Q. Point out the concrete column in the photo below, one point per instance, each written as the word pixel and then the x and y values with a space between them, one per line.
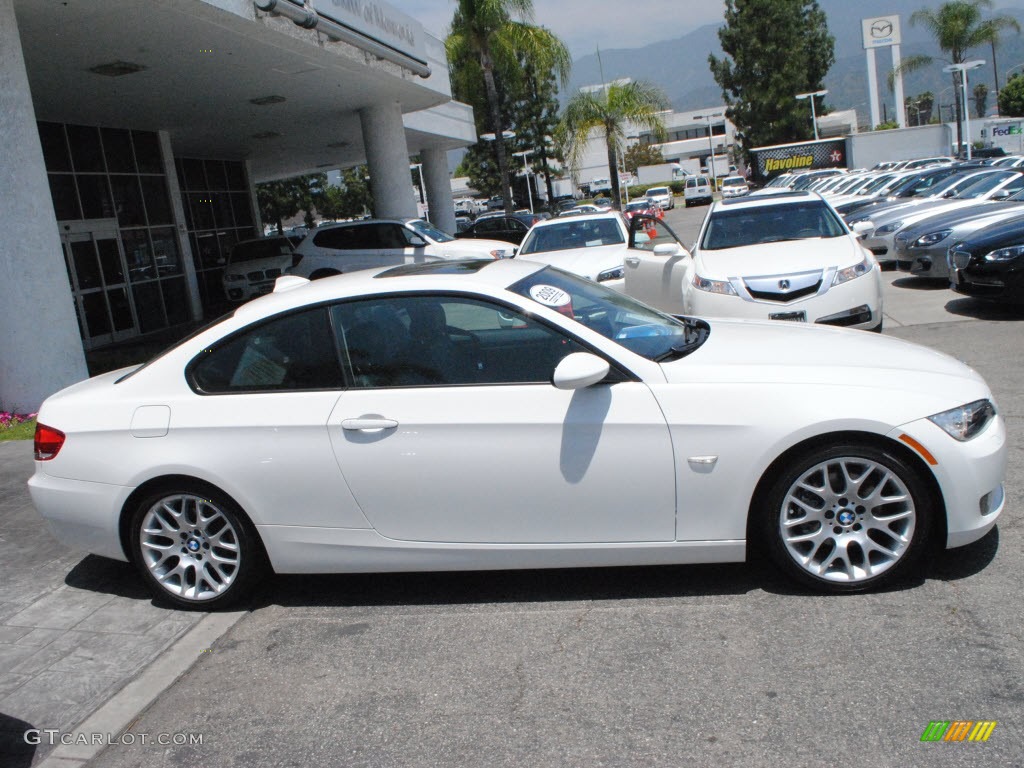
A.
pixel 439 188
pixel 195 304
pixel 387 156
pixel 40 346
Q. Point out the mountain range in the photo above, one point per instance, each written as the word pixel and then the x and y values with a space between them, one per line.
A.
pixel 680 66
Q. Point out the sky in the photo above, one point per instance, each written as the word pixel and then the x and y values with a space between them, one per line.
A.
pixel 586 24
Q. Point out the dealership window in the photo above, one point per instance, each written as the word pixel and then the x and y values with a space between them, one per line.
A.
pixel 218 213
pixel 112 180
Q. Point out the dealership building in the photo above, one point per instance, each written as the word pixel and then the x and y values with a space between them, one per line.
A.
pixel 135 131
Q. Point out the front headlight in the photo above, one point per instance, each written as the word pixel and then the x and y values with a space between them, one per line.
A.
pixel 233 278
pixel 847 274
pixel 1005 254
pixel 723 287
pixel 502 253
pixel 931 238
pixel 888 229
pixel 615 273
pixel 965 421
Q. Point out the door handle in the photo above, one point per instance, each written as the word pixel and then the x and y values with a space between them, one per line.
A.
pixel 633 261
pixel 368 424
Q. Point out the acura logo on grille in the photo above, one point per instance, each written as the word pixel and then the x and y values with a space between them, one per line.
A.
pixel 783 285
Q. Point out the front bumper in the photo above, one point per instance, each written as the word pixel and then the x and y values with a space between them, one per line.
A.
pixel 970 476
pixel 1003 281
pixel 854 304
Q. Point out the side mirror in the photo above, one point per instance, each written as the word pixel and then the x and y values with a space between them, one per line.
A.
pixel 667 249
pixel 861 228
pixel 579 370
pixel 417 242
pixel 1001 194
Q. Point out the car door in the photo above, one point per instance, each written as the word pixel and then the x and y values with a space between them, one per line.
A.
pixel 454 433
pixel 657 265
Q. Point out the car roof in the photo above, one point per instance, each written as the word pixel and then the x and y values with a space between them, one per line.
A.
pixel 579 217
pixel 470 275
pixel 777 198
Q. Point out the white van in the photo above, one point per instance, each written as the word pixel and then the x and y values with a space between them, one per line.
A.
pixel 697 189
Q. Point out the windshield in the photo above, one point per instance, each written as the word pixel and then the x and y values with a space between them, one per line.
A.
pixel 982 185
pixel 260 249
pixel 429 231
pixel 618 317
pixel 734 228
pixel 657 191
pixel 568 234
pixel 733 182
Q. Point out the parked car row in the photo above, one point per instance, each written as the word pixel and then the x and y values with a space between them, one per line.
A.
pixel 961 222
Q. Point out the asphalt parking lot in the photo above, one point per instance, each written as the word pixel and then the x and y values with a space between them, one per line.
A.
pixel 697 665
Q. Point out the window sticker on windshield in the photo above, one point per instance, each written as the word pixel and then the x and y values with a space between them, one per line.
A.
pixel 549 296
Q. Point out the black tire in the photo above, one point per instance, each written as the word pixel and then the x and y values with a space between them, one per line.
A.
pixel 836 540
pixel 194 547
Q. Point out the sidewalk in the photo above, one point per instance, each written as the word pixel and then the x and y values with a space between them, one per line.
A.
pixel 74 628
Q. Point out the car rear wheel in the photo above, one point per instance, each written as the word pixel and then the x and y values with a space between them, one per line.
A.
pixel 195 548
pixel 847 517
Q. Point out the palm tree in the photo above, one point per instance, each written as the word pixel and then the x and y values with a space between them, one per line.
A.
pixel 610 108
pixel 957 27
pixel 484 31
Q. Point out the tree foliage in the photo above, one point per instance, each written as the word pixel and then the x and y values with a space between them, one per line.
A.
pixel 282 199
pixel 1011 97
pixel 610 110
pixel 919 108
pixel 957 27
pixel 774 49
pixel 488 42
pixel 642 154
pixel 351 199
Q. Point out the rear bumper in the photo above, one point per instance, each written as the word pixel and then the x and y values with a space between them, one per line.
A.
pixel 81 515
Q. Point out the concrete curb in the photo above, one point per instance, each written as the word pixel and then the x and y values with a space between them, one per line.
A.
pixel 119 713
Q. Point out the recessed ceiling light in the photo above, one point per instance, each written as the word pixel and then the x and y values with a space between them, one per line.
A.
pixel 263 101
pixel 266 135
pixel 117 68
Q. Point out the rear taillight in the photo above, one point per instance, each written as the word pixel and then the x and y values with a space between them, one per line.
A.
pixel 48 442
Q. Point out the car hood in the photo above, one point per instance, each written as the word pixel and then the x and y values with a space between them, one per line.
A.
pixel 748 351
pixel 784 257
pixel 472 247
pixel 255 265
pixel 1000 235
pixel 588 262
pixel 975 213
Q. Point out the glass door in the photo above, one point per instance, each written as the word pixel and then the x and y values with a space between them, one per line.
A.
pixel 98 273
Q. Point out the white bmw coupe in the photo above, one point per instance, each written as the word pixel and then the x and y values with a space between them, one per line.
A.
pixel 506 414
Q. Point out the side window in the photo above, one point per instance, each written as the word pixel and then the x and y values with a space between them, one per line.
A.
pixel 648 231
pixel 287 353
pixel 349 238
pixel 417 341
pixel 489 225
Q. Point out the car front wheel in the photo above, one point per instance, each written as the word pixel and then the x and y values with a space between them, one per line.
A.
pixel 195 548
pixel 847 517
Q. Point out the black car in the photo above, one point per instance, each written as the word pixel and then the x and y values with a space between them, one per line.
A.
pixel 990 263
pixel 511 229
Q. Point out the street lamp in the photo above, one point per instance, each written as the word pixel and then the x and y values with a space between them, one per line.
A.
pixel 526 173
pixel 711 160
pixel 962 68
pixel 814 118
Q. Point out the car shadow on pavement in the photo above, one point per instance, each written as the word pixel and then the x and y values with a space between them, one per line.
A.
pixel 16 751
pixel 980 309
pixel 962 562
pixel 109 577
pixel 532 586
pixel 921 283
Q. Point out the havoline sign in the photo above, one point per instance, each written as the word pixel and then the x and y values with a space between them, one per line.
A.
pixel 804 156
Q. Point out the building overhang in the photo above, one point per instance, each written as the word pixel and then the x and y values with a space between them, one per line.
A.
pixel 225 80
